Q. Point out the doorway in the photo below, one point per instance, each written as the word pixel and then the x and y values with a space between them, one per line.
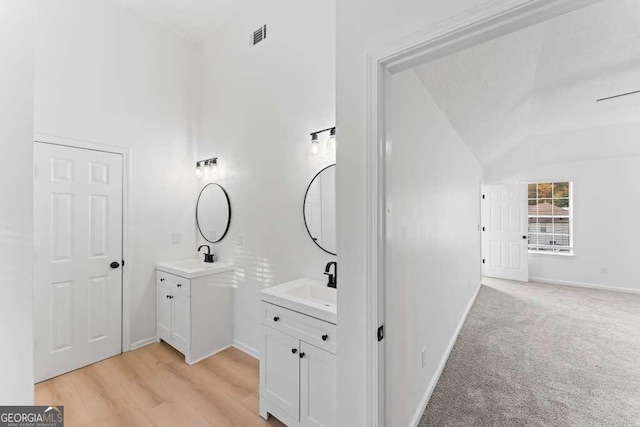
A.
pixel 505 234
pixel 477 26
pixel 78 236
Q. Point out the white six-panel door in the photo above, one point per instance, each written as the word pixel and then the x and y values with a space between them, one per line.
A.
pixel 505 235
pixel 78 234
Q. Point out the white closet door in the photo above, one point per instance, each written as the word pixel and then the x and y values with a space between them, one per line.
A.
pixel 505 236
pixel 78 235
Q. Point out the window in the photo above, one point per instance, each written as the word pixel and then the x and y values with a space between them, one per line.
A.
pixel 550 218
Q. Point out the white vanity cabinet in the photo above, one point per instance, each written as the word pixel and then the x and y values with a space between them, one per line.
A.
pixel 297 368
pixel 194 314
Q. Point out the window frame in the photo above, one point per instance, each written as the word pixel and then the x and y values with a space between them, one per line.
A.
pixel 571 248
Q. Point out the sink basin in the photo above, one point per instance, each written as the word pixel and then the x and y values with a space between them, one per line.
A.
pixel 306 296
pixel 193 268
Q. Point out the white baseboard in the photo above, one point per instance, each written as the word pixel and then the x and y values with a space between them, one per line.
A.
pixel 245 348
pixel 200 359
pixel 434 381
pixel 583 285
pixel 142 343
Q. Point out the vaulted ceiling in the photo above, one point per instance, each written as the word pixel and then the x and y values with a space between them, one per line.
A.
pixel 193 19
pixel 531 96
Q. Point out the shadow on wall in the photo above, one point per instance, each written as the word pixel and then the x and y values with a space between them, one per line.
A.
pixel 249 266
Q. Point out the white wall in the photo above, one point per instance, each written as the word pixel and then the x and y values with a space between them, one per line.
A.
pixel 434 244
pixel 362 26
pixel 106 75
pixel 605 225
pixel 16 193
pixel 258 106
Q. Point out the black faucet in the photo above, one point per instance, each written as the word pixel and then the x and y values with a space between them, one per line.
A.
pixel 333 278
pixel 208 257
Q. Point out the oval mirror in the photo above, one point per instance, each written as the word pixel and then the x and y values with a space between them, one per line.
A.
pixel 213 213
pixel 320 209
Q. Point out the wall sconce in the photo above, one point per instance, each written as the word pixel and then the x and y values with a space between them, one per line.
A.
pixel 207 167
pixel 315 142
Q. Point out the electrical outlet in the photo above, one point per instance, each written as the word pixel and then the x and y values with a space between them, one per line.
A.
pixel 424 357
pixel 604 270
pixel 176 237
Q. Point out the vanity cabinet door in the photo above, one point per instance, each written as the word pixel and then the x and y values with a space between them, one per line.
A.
pixel 164 313
pixel 180 322
pixel 280 371
pixel 317 387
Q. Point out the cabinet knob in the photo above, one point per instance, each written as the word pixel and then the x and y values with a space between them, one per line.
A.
pixel 276 318
pixel 179 285
pixel 325 337
pixel 302 355
pixel 162 280
pixel 294 350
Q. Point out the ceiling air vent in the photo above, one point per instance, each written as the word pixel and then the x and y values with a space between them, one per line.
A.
pixel 259 35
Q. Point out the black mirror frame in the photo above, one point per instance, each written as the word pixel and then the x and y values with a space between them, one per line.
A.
pixel 228 205
pixel 304 213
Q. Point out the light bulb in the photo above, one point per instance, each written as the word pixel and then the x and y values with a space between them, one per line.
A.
pixel 314 144
pixel 199 172
pixel 332 140
pixel 207 169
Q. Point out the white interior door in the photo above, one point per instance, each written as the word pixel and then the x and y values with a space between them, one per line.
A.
pixel 505 236
pixel 78 235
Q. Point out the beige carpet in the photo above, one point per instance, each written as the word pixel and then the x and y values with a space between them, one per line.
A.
pixel 542 355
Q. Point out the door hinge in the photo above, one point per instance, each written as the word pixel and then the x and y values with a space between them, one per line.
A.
pixel 123 263
pixel 483 261
pixel 380 333
pixel 483 196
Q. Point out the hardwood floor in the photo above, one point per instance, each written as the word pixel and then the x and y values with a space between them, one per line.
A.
pixel 152 386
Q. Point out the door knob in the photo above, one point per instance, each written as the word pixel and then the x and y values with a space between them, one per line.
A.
pixel 276 318
pixel 524 237
pixel 115 264
pixel 302 355
pixel 294 350
pixel 179 285
pixel 325 337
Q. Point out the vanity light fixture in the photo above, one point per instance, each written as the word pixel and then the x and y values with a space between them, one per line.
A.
pixel 315 142
pixel 206 167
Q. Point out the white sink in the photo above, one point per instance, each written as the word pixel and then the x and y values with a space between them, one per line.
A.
pixel 193 268
pixel 306 296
